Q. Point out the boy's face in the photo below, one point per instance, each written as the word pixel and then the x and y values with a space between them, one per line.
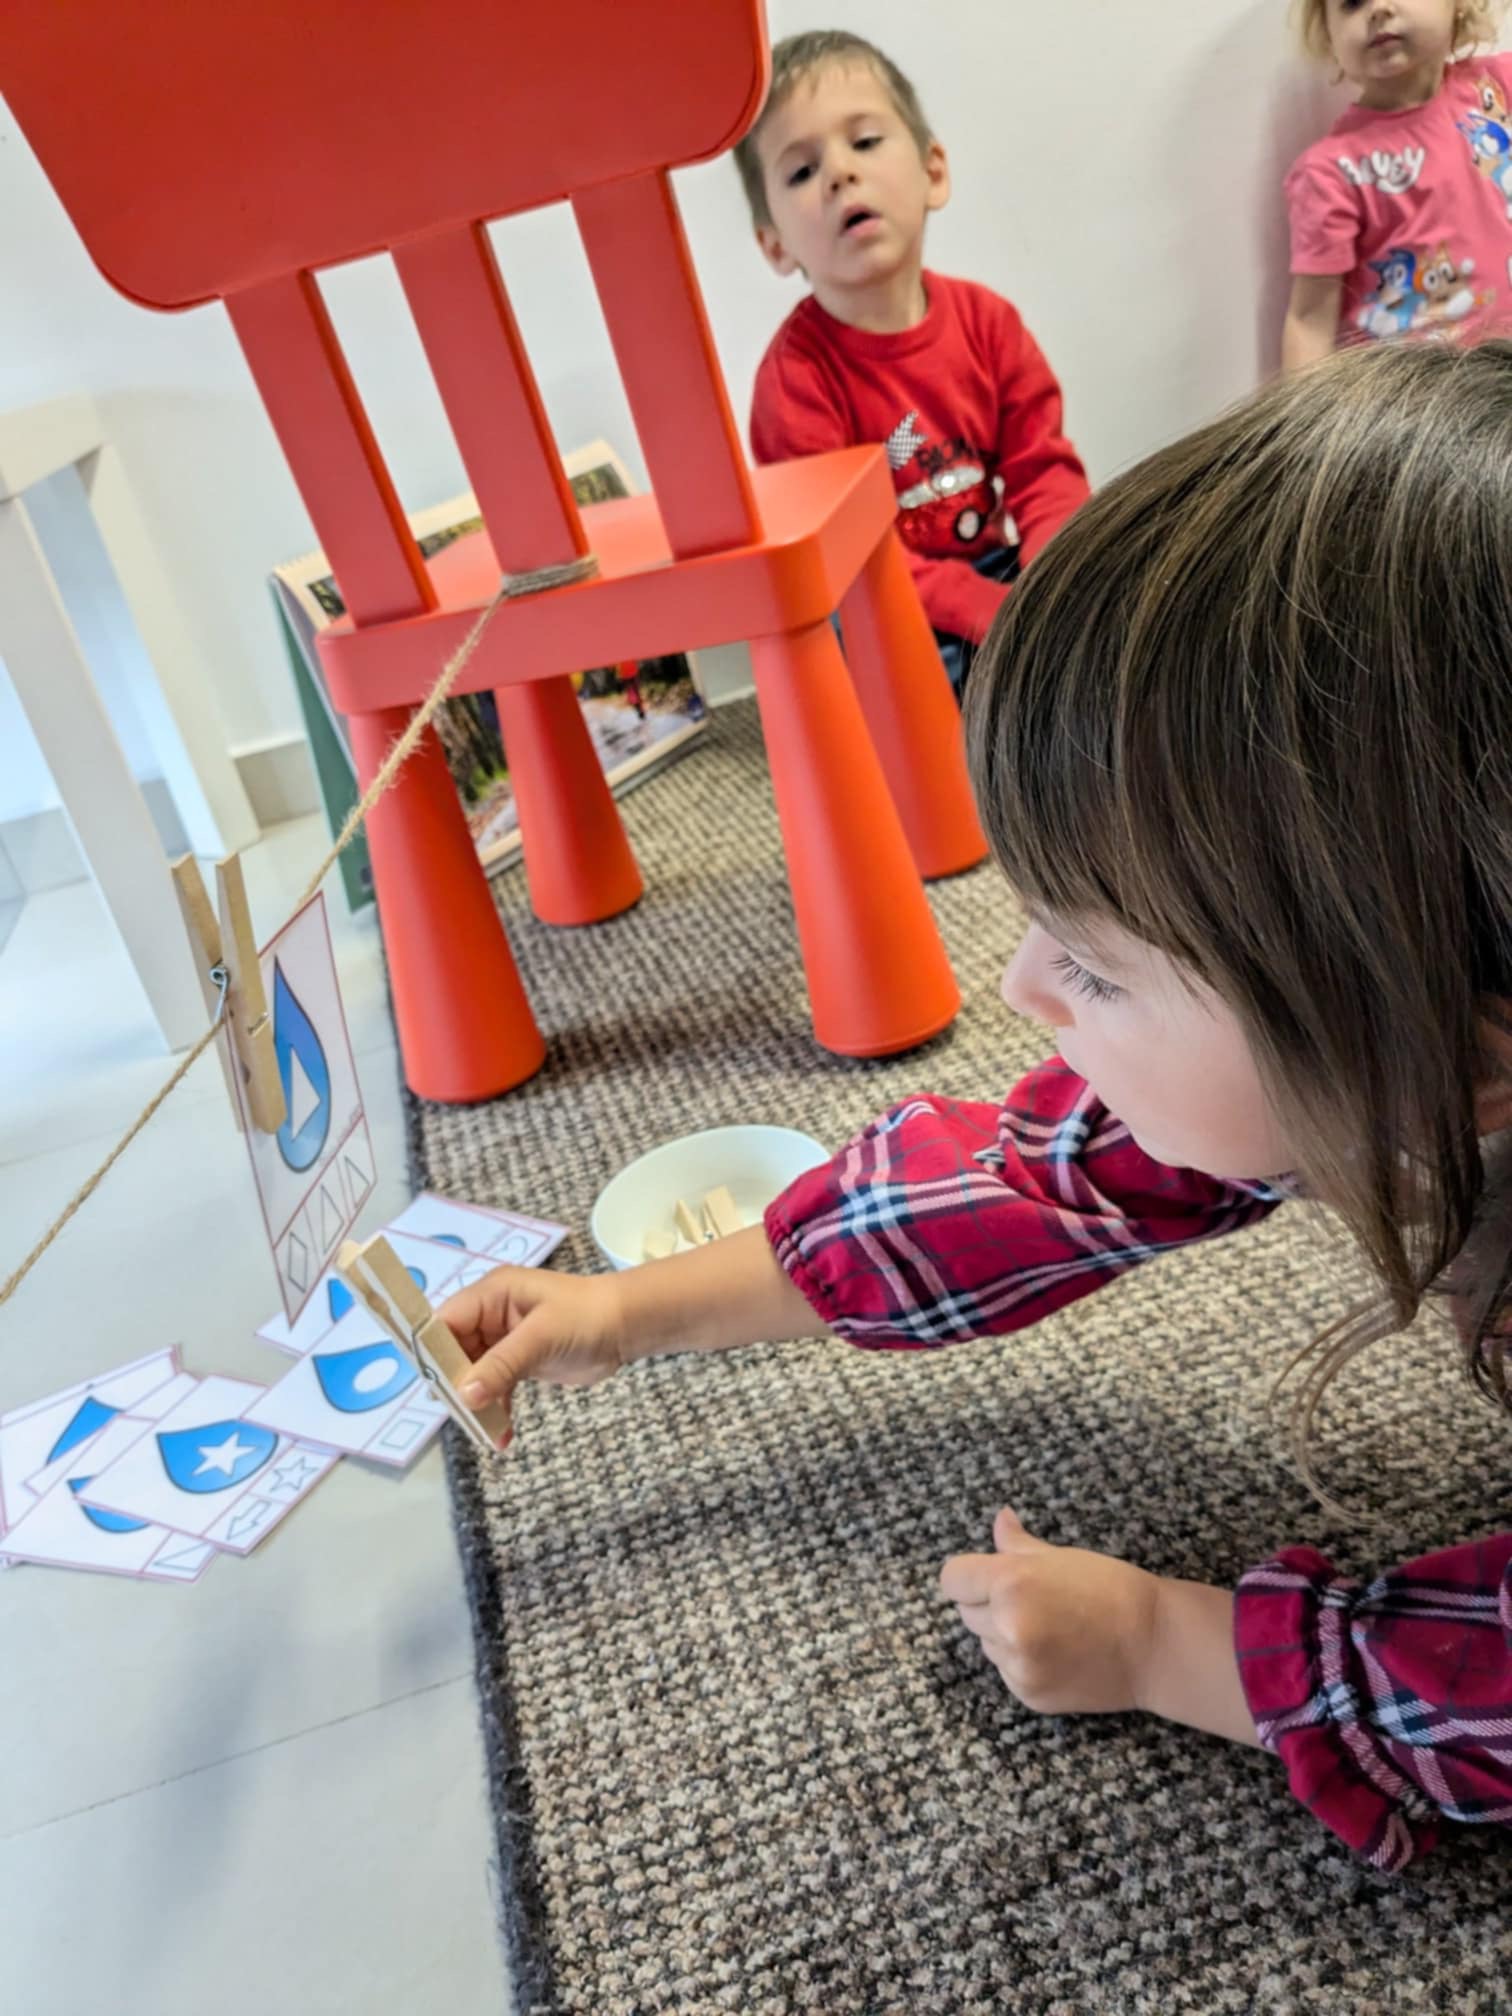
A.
pixel 846 185
pixel 1376 42
pixel 1163 1053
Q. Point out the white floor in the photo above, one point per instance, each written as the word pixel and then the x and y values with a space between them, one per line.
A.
pixel 264 1791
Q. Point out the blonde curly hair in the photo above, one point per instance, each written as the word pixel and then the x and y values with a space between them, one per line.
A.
pixel 1475 23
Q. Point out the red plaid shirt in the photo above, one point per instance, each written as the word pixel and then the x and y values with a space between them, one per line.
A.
pixel 1390 1705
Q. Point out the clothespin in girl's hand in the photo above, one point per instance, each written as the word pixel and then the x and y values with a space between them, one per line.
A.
pixel 387 1290
pixel 225 954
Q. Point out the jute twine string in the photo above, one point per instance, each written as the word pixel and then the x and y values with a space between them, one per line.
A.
pixel 532 582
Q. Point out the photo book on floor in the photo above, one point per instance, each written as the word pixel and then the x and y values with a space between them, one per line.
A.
pixel 638 715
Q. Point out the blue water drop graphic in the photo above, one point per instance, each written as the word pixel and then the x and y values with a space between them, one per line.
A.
pixel 446 1239
pixel 91 1415
pixel 305 1073
pixel 369 1376
pixel 108 1522
pixel 339 1296
pixel 215 1457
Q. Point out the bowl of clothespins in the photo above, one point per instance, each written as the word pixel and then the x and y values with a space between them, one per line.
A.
pixel 700 1187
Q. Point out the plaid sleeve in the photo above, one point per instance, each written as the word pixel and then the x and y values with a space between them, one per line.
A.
pixel 944 1220
pixel 1391 1705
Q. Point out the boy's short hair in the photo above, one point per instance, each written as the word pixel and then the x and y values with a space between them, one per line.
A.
pixel 1474 23
pixel 797 57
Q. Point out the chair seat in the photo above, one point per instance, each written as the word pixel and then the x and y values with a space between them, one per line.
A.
pixel 823 517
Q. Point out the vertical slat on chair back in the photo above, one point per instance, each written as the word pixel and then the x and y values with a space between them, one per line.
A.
pixel 638 253
pixel 286 332
pixel 451 280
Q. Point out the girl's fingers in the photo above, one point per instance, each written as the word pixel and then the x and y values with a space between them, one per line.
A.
pixel 969 1578
pixel 503 1365
pixel 480 1315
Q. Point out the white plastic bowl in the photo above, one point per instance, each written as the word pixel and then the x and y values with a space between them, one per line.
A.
pixel 755 1164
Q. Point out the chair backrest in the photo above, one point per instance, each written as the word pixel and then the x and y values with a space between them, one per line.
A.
pixel 204 146
pixel 218 148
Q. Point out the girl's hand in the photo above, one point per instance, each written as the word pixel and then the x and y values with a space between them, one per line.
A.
pixel 574 1329
pixel 1070 1632
pixel 528 1323
pixel 1075 1633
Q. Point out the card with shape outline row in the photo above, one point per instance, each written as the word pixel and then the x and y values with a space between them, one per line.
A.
pixel 61 1531
pixel 316 1173
pixel 537 1238
pixel 432 1266
pixel 37 1437
pixel 502 1237
pixel 162 1400
pixel 204 1470
pixel 357 1392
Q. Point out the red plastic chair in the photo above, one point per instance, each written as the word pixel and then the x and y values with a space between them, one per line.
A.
pixel 229 152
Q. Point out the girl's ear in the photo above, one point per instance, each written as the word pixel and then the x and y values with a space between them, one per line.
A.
pixel 776 253
pixel 937 176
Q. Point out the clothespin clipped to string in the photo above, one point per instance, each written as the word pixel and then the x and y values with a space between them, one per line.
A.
pixel 225 954
pixel 385 1287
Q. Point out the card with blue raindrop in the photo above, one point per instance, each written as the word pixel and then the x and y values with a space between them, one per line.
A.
pixel 433 1266
pixel 62 1531
pixel 316 1173
pixel 71 1445
pixel 357 1392
pixel 38 1441
pixel 209 1471
pixel 499 1236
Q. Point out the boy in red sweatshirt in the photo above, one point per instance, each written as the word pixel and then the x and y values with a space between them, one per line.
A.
pixel 841 171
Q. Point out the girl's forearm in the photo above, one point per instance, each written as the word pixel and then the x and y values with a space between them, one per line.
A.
pixel 1189 1672
pixel 1306 341
pixel 728 1293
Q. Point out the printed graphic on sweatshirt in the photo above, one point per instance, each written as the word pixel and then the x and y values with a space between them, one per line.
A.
pixel 1489 131
pixel 1420 291
pixel 1394 174
pixel 948 495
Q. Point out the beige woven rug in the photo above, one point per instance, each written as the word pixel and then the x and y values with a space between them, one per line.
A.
pixel 742 1758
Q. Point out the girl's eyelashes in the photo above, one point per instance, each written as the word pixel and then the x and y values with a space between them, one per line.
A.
pixel 800 174
pixel 1085 982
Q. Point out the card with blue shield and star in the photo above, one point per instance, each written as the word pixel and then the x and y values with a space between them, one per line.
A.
pixel 207 1471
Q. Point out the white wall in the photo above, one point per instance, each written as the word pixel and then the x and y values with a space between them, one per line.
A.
pixel 1117 170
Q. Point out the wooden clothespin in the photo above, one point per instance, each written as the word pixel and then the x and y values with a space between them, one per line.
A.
pixel 225 953
pixel 720 1214
pixel 688 1226
pixel 385 1287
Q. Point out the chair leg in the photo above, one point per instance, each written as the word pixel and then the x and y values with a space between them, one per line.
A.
pixel 577 858
pixel 912 713
pixel 878 977
pixel 465 1027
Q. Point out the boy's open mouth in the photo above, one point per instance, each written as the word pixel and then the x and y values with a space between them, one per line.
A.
pixel 852 218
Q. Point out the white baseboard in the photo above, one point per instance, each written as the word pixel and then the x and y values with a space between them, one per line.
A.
pixel 279 778
pixel 725 673
pixel 38 850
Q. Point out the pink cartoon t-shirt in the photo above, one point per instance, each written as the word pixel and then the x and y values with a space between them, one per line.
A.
pixel 1414 209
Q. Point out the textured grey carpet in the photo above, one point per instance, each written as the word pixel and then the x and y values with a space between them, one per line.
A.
pixel 742 1758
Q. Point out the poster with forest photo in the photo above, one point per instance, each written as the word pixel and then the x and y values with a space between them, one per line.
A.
pixel 637 715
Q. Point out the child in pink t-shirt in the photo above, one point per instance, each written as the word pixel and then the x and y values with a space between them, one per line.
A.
pixel 1401 217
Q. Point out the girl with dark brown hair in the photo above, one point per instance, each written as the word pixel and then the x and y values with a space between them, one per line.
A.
pixel 1242 741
